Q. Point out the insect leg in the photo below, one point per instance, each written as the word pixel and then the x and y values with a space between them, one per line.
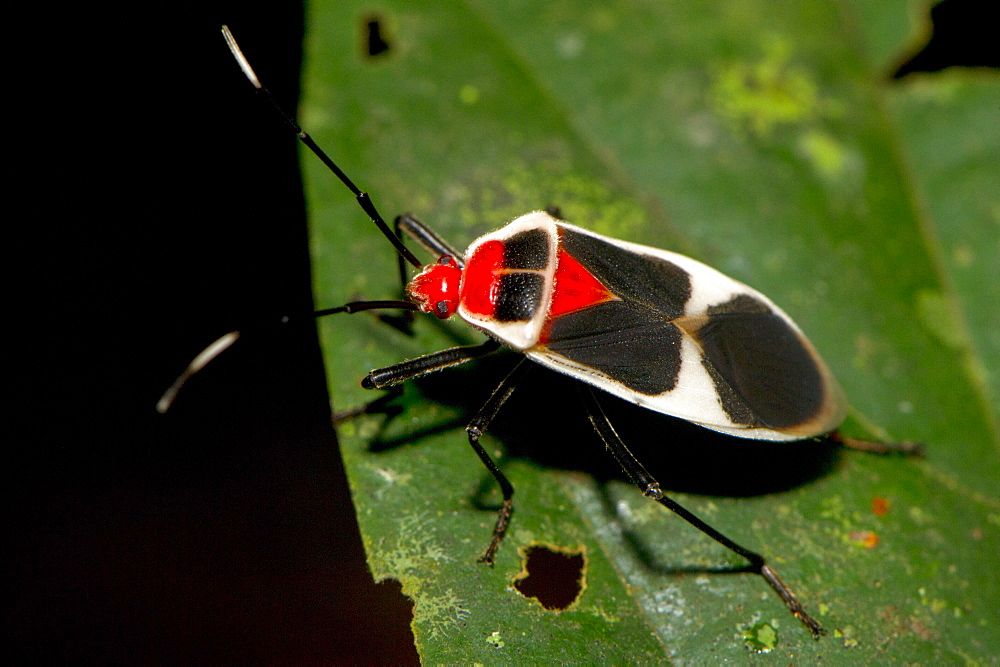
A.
pixel 380 378
pixel 651 489
pixel 475 429
pixel 904 447
pixel 426 238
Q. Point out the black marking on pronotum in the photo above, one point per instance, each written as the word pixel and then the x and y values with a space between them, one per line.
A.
pixel 518 297
pixel 527 250
pixel 652 327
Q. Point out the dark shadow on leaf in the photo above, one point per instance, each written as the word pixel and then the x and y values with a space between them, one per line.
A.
pixel 639 546
pixel 544 422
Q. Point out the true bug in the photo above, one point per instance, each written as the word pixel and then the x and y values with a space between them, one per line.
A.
pixel 655 328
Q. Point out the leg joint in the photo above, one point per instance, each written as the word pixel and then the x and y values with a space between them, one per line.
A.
pixel 653 491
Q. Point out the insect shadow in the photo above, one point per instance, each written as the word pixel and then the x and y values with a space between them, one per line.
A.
pixel 545 422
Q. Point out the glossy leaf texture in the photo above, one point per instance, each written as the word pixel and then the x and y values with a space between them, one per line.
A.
pixel 765 139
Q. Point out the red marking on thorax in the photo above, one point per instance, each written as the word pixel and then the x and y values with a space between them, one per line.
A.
pixel 479 284
pixel 575 288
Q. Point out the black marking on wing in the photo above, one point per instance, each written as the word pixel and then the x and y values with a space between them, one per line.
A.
pixel 763 372
pixel 629 344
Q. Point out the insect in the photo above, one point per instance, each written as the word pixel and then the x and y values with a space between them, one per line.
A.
pixel 653 327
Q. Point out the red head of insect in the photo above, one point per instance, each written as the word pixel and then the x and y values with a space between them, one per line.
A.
pixel 435 289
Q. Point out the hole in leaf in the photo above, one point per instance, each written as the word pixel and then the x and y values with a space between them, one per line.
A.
pixel 375 43
pixel 960 37
pixel 553 575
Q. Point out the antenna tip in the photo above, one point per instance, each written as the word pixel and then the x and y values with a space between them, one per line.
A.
pixel 219 346
pixel 234 48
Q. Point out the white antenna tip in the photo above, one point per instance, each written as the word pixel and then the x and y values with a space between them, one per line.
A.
pixel 205 356
pixel 240 58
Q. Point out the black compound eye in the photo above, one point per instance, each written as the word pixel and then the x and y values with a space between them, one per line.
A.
pixel 442 309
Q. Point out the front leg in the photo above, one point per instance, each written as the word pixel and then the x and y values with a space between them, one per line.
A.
pixel 382 378
pixel 475 429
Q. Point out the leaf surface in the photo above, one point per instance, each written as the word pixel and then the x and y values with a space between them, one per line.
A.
pixel 765 140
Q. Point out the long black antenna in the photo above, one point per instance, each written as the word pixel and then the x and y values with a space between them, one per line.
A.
pixel 363 199
pixel 223 343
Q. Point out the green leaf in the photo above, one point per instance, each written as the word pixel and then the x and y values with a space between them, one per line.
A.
pixel 764 139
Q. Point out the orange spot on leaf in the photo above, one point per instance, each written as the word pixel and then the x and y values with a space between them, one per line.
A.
pixel 864 538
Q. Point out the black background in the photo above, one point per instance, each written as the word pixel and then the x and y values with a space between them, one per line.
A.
pixel 222 531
